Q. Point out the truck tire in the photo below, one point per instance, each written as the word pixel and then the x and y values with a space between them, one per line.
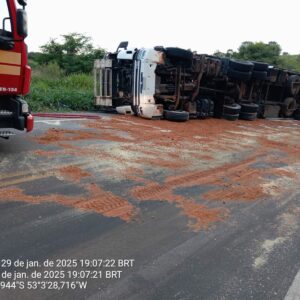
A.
pixel 240 65
pixel 293 85
pixel 230 117
pixel 260 66
pixel 249 108
pixel 239 75
pixel 205 108
pixel 297 114
pixel 259 75
pixel 179 53
pixel 134 109
pixel 231 109
pixel 224 65
pixel 288 107
pixel 282 76
pixel 273 74
pixel 176 115
pixel 248 116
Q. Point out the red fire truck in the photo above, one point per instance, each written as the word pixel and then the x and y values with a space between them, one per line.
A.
pixel 15 74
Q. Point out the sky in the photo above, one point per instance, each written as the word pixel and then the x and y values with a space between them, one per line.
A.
pixel 202 26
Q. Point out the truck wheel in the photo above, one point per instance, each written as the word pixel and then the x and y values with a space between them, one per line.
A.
pixel 248 116
pixel 224 64
pixel 297 114
pixel 134 109
pixel 230 117
pixel 240 65
pixel 259 75
pixel 288 107
pixel 179 53
pixel 293 84
pixel 231 109
pixel 273 74
pixel 281 76
pixel 176 115
pixel 260 66
pixel 239 75
pixel 249 108
pixel 205 108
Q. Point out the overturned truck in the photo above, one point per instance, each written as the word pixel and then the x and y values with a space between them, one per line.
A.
pixel 178 84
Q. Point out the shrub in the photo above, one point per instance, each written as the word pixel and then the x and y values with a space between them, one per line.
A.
pixel 51 90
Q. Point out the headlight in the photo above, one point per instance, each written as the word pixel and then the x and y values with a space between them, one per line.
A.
pixel 25 108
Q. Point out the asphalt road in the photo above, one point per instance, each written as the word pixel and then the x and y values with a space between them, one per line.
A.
pixel 209 209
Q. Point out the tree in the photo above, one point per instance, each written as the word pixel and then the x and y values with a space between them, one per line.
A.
pixel 269 53
pixel 77 44
pixel 290 62
pixel 259 51
pixel 229 53
pixel 75 54
pixel 219 53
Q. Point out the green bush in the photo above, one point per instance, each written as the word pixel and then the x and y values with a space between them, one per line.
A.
pixel 290 62
pixel 47 72
pixel 51 90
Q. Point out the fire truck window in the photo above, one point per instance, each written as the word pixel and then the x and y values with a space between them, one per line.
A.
pixel 5 26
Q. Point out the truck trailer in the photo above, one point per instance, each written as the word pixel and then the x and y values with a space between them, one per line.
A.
pixel 177 84
pixel 15 74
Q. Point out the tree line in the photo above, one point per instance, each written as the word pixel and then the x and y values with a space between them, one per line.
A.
pixel 264 52
pixel 75 53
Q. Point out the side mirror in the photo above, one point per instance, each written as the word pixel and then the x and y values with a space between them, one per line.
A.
pixel 22 2
pixel 6 43
pixel 22 23
pixel 123 45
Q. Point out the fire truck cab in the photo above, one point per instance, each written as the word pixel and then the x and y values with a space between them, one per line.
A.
pixel 15 74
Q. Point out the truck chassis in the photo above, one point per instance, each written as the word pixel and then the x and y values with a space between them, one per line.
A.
pixel 178 84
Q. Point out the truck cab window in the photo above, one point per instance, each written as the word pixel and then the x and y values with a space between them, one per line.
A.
pixel 5 26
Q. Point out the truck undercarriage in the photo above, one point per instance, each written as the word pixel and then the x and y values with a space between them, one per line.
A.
pixel 160 82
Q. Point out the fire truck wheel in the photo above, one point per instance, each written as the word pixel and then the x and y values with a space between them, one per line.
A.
pixel 239 75
pixel 259 75
pixel 293 85
pixel 260 66
pixel 231 109
pixel 176 115
pixel 241 65
pixel 249 108
pixel 288 107
pixel 230 117
pixel 248 116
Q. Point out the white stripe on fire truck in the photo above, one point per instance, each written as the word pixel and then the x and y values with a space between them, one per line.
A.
pixel 10 70
pixel 8 57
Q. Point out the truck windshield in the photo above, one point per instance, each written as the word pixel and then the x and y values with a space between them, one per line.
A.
pixel 5 26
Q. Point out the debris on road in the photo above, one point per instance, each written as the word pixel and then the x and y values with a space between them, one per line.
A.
pixel 200 167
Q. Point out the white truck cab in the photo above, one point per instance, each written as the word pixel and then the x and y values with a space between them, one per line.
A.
pixel 144 83
pixel 127 77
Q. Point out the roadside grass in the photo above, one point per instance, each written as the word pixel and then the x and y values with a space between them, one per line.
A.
pixel 53 91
